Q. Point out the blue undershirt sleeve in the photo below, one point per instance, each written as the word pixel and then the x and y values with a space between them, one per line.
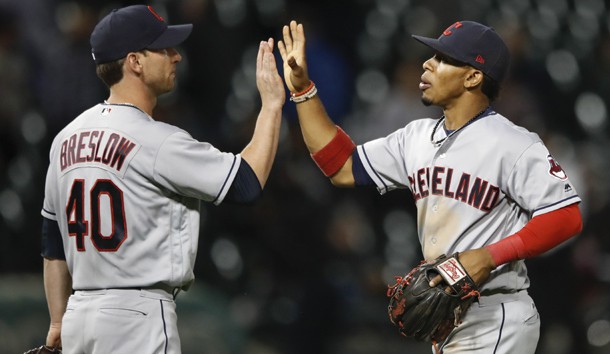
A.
pixel 361 177
pixel 52 245
pixel 246 188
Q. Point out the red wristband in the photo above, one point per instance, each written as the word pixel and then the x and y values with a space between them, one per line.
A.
pixel 333 156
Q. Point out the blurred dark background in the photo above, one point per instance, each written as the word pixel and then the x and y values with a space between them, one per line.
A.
pixel 305 270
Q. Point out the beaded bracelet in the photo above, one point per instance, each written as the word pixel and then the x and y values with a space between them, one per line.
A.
pixel 309 92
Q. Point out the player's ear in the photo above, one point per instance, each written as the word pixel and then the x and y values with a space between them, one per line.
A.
pixel 474 78
pixel 133 62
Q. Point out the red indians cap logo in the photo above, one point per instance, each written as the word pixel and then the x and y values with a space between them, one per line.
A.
pixel 156 14
pixel 556 170
pixel 449 29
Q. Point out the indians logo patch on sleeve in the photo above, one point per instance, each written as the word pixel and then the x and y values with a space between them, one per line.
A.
pixel 555 170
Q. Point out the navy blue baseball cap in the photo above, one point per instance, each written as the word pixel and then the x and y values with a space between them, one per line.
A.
pixel 474 44
pixel 133 28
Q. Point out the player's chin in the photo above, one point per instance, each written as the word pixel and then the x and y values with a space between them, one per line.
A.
pixel 170 84
pixel 160 90
pixel 171 80
pixel 426 100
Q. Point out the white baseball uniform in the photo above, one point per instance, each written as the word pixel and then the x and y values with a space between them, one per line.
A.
pixel 473 188
pixel 125 191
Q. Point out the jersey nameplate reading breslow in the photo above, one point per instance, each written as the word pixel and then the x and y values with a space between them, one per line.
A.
pixel 104 148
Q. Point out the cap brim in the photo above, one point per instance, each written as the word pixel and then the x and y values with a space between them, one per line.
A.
pixel 171 37
pixel 433 43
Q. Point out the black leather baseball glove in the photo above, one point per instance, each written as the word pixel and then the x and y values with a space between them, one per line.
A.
pixel 430 314
pixel 43 349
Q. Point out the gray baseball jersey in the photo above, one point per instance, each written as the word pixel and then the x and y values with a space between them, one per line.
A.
pixel 475 187
pixel 125 191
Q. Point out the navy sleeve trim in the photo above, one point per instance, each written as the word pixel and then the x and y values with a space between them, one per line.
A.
pixel 559 202
pixel 246 187
pixel 226 179
pixel 361 177
pixel 52 245
pixel 48 212
pixel 381 182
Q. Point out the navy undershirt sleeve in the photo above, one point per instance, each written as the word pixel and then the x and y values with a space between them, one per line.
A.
pixel 52 245
pixel 246 188
pixel 361 177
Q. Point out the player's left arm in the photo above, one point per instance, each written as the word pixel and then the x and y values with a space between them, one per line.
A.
pixel 541 234
pixel 539 184
pixel 260 151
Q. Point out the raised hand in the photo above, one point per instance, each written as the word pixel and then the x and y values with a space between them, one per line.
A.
pixel 292 51
pixel 268 80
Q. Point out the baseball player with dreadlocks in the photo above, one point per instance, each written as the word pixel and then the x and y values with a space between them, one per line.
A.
pixel 485 189
pixel 122 195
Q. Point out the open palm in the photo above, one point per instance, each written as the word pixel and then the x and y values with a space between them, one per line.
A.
pixel 292 51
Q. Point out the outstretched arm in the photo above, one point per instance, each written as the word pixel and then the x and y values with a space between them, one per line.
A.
pixel 539 235
pixel 260 152
pixel 316 126
pixel 58 287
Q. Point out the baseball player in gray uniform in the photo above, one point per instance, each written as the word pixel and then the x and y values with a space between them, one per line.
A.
pixel 122 195
pixel 483 186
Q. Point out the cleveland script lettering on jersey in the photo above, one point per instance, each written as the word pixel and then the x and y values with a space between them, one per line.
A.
pixel 104 148
pixel 474 191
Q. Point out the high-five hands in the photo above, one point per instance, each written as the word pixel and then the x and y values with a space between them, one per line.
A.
pixel 268 80
pixel 292 51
